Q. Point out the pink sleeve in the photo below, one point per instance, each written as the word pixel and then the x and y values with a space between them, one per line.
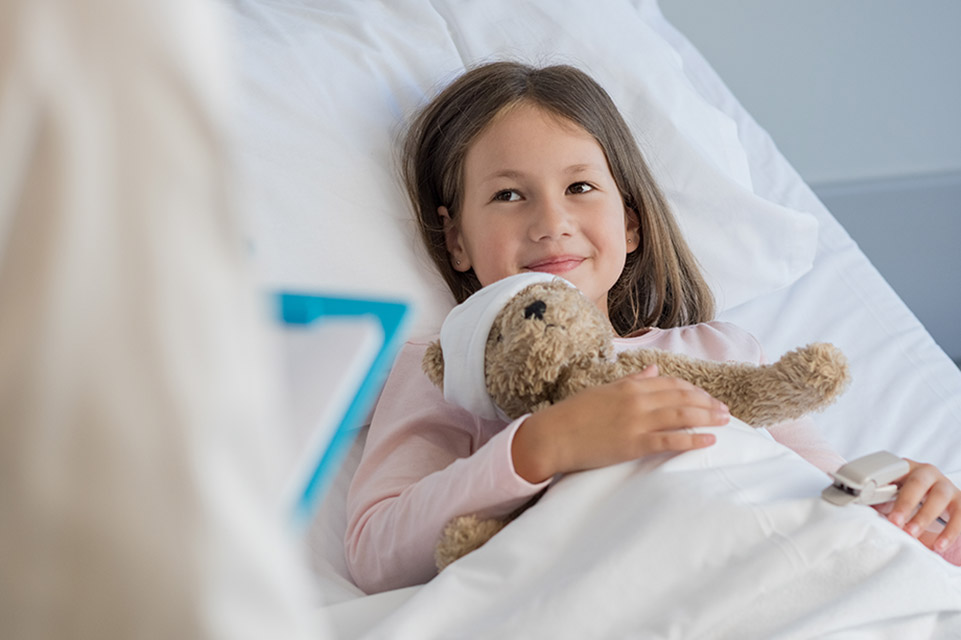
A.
pixel 804 438
pixel 424 462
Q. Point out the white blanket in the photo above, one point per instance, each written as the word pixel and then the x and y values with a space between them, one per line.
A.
pixel 732 541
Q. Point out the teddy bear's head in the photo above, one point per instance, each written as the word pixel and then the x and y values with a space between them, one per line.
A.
pixel 545 330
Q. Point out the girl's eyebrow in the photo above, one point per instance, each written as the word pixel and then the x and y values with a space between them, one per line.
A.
pixel 581 168
pixel 517 175
pixel 505 173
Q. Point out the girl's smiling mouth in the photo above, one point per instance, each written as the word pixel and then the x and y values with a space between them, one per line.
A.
pixel 556 264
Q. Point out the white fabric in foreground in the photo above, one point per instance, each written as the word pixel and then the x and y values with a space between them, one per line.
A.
pixel 329 86
pixel 138 493
pixel 732 541
pixel 463 339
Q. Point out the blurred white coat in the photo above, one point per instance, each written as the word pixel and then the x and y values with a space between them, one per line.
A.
pixel 138 475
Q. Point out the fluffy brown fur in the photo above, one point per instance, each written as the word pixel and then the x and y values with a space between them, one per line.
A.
pixel 462 535
pixel 534 360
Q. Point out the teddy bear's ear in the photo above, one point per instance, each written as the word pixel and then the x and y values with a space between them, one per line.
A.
pixel 433 364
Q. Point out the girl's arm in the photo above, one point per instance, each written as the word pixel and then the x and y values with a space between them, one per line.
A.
pixel 424 463
pixel 804 438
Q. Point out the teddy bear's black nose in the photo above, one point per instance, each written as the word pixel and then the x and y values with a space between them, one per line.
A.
pixel 536 309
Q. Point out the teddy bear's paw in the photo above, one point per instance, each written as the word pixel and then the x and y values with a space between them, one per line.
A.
pixel 823 369
pixel 462 535
pixel 801 381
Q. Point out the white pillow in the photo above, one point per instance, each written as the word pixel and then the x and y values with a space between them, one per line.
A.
pixel 327 90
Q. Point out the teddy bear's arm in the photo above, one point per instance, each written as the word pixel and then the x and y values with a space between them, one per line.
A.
pixel 804 380
pixel 433 364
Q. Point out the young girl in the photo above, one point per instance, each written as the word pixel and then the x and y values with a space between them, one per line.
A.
pixel 515 169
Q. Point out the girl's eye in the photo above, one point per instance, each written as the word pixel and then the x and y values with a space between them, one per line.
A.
pixel 507 195
pixel 579 187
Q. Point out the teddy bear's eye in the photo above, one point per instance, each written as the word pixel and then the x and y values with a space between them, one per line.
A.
pixel 535 309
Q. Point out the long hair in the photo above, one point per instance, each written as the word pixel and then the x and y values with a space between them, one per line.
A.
pixel 661 284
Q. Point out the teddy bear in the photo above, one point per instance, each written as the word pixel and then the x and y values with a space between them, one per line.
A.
pixel 533 339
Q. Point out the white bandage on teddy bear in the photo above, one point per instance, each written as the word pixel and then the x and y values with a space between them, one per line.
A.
pixel 463 339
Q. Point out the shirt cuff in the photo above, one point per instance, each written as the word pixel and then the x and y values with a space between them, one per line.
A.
pixel 508 456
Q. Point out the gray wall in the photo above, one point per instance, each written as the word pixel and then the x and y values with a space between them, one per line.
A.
pixel 864 99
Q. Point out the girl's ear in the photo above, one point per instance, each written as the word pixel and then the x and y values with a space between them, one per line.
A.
pixel 632 227
pixel 452 239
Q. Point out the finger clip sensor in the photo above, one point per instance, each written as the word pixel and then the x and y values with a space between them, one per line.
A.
pixel 867 480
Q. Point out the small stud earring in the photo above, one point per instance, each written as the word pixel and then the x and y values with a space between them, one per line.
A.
pixel 457 262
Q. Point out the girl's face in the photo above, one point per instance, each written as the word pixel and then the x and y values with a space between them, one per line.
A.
pixel 539 196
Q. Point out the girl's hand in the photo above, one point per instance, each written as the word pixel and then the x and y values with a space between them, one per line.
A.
pixel 925 484
pixel 624 420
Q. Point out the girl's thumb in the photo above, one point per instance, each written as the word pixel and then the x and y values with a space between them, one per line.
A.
pixel 650 371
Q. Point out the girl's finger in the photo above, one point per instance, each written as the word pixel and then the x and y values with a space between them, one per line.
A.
pixel 649 381
pixel 677 441
pixel 667 397
pixel 951 531
pixel 935 502
pixel 913 489
pixel 683 417
pixel 648 372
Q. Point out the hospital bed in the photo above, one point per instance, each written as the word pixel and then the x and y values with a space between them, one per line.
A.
pixel 323 91
pixel 328 88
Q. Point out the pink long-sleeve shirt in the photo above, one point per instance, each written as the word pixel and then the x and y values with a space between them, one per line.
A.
pixel 427 461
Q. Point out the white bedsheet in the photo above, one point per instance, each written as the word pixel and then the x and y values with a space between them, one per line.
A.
pixel 730 541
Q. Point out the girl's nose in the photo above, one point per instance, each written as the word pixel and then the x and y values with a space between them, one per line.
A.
pixel 551 220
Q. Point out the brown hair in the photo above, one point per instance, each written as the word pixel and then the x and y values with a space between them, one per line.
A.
pixel 661 284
